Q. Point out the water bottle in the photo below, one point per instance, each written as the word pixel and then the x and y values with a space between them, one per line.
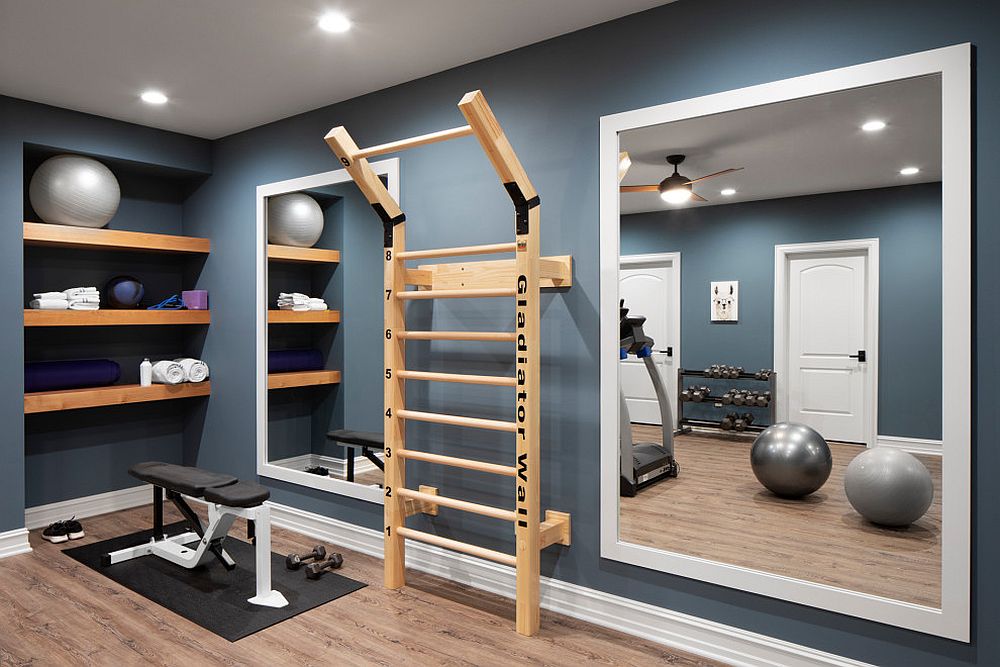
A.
pixel 145 373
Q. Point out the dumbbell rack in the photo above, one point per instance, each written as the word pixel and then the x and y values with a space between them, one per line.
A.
pixel 685 424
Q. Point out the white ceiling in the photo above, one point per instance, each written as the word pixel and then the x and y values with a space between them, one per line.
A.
pixel 800 147
pixel 228 65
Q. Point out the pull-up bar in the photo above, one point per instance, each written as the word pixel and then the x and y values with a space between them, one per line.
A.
pixel 413 142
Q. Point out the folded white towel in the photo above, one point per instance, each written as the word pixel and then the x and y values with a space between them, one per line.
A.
pixel 85 298
pixel 298 307
pixel 50 295
pixel 168 372
pixel 49 304
pixel 80 290
pixel 320 305
pixel 195 370
pixel 81 305
pixel 292 295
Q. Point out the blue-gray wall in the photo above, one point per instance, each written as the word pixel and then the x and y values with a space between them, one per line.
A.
pixel 549 97
pixel 736 242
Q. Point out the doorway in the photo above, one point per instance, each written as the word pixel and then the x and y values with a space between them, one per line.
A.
pixel 826 337
pixel 651 287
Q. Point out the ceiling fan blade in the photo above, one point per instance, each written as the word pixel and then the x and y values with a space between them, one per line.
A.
pixel 718 173
pixel 697 197
pixel 624 164
pixel 640 188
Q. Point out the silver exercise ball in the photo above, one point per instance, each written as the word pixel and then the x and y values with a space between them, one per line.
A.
pixel 888 487
pixel 74 190
pixel 294 219
pixel 791 460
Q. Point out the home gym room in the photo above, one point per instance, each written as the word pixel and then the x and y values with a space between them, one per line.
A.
pixel 555 332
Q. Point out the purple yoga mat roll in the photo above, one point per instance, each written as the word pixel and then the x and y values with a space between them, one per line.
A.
pixel 77 374
pixel 288 361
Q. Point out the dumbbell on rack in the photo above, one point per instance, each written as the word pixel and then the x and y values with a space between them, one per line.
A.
pixel 316 570
pixel 742 421
pixel 763 374
pixel 700 394
pixel 728 421
pixel 763 399
pixel 727 398
pixel 687 393
pixel 295 561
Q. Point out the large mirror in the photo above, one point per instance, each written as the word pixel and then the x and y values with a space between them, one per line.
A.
pixel 785 311
pixel 316 365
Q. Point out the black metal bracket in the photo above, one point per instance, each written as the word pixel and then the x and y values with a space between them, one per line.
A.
pixel 387 223
pixel 521 206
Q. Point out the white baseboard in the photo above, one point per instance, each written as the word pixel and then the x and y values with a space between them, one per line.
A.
pixel 88 506
pixel 680 631
pixel 911 445
pixel 337 467
pixel 14 542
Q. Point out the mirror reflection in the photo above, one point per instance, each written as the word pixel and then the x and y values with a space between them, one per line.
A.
pixel 780 338
pixel 320 336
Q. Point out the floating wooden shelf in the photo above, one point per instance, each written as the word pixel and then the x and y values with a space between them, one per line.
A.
pixel 302 379
pixel 103 318
pixel 72 399
pixel 41 234
pixel 287 253
pixel 303 317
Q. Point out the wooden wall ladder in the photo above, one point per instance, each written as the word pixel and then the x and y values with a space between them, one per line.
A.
pixel 520 279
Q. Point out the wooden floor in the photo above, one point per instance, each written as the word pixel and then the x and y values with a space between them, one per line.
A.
pixel 717 509
pixel 54 611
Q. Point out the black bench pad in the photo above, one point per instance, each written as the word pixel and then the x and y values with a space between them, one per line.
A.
pixel 240 494
pixel 370 439
pixel 182 479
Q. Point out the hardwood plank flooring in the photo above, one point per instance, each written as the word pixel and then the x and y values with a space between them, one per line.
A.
pixel 55 611
pixel 716 509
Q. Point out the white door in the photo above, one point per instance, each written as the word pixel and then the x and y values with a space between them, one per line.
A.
pixel 651 289
pixel 828 382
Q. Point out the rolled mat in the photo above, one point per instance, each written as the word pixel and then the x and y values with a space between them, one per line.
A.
pixel 288 361
pixel 76 374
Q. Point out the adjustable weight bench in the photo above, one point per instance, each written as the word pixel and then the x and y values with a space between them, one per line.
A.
pixel 227 498
pixel 367 441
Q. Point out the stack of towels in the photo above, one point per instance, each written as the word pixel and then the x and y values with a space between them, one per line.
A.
pixel 180 370
pixel 299 302
pixel 74 298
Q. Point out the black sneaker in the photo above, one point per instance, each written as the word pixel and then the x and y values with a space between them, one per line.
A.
pixel 56 533
pixel 74 529
pixel 319 470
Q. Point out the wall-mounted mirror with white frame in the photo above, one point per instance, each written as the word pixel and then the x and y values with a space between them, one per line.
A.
pixel 785 330
pixel 319 361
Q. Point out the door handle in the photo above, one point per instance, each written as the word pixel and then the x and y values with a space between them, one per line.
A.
pixel 860 356
pixel 669 351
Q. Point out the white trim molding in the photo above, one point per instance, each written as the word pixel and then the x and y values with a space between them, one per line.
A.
pixel 680 631
pixel 953 65
pixel 265 468
pixel 783 254
pixel 87 506
pixel 14 542
pixel 911 445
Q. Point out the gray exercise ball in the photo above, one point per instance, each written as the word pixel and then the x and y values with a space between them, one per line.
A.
pixel 791 460
pixel 74 190
pixel 294 219
pixel 888 486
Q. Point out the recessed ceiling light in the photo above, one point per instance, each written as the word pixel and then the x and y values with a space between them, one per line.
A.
pixel 909 171
pixel 873 126
pixel 728 192
pixel 153 97
pixel 334 22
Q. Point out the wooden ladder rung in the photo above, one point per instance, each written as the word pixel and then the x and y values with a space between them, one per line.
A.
pixel 413 142
pixel 479 336
pixel 456 293
pixel 455 545
pixel 456 504
pixel 458 251
pixel 497 380
pixel 468 464
pixel 456 420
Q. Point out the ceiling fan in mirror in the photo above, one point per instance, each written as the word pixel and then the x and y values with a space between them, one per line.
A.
pixel 676 188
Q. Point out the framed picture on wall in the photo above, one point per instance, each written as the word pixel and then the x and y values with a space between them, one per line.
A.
pixel 725 300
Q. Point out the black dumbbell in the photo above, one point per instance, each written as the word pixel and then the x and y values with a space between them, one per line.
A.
pixel 739 398
pixel 748 418
pixel 295 561
pixel 316 570
pixel 736 372
pixel 717 371
pixel 727 398
pixel 686 394
pixel 708 371
pixel 728 421
pixel 764 399
pixel 750 398
pixel 700 394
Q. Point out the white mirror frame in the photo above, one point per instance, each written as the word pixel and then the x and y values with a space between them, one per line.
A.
pixel 953 64
pixel 389 169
